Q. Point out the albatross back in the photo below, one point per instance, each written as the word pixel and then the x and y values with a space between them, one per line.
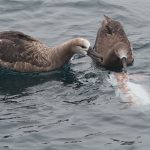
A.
pixel 21 52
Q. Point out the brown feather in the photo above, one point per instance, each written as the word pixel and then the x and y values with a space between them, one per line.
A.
pixel 109 36
pixel 23 53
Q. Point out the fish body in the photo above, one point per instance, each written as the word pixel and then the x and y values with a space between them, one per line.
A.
pixel 129 91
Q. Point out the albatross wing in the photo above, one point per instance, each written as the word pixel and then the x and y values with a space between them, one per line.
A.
pixel 18 49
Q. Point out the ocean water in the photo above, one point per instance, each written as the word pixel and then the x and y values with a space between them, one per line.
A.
pixel 74 107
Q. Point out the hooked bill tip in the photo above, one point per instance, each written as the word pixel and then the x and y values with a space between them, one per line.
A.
pixel 124 64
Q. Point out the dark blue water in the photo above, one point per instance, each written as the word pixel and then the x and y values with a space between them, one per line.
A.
pixel 75 107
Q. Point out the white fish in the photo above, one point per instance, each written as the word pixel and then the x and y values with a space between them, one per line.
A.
pixel 129 91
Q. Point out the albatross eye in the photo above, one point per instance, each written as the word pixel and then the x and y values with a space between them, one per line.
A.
pixel 83 46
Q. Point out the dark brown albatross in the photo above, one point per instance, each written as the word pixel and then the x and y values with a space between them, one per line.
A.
pixel 24 53
pixel 112 47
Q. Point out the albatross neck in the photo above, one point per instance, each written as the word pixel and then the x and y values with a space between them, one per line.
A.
pixel 61 54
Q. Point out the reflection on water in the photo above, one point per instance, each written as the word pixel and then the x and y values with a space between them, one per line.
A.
pixel 129 91
pixel 14 82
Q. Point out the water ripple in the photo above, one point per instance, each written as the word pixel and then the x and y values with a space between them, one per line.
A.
pixel 74 107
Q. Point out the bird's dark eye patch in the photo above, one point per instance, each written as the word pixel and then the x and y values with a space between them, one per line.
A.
pixel 82 46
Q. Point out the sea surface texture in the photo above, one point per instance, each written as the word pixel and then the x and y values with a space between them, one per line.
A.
pixel 75 107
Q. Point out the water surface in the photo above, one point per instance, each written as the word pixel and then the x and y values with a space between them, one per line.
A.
pixel 75 107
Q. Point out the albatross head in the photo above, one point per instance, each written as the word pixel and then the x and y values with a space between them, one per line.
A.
pixel 81 45
pixel 124 53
